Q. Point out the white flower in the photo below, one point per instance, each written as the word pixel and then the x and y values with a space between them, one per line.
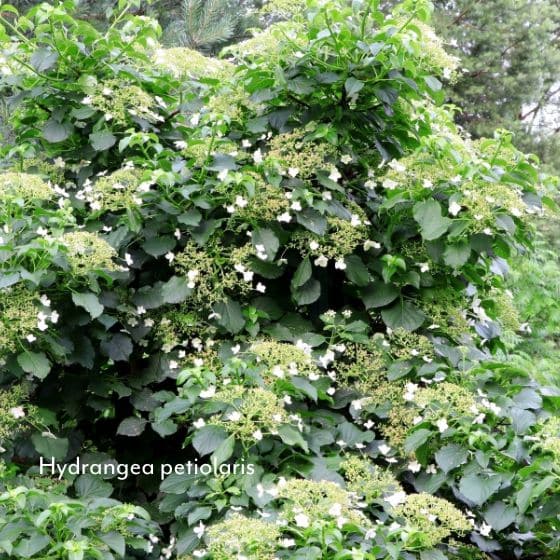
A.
pixel 17 412
pixel 258 435
pixel 335 510
pixel 485 529
pixel 235 349
pixel 334 174
pixel 390 185
pixel 248 275
pixel 195 119
pixel 396 498
pixel 234 416
pixel 170 256
pixel 431 469
pixel 340 264
pixel 240 201
pixel 45 301
pixel 140 310
pixel 199 530
pixel 371 245
pixel 397 166
pixel 454 208
pixel 313 245
pixel 296 206
pixel 208 393
pixel 54 317
pixel 222 175
pixel 414 466
pixel 260 288
pixel 346 159
pixel 442 425
pixel 31 338
pixel 424 267
pixel 257 156
pixel 287 543
pixel 246 143
pixel 327 195
pixel 180 144
pixel 128 259
pixel 173 364
pixel 302 520
pixel 321 261
pixel 285 217
pixel 293 171
pixel 384 449
pixel 355 221
pixel 200 423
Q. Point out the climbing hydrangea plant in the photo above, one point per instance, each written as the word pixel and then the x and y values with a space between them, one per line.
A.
pixel 289 258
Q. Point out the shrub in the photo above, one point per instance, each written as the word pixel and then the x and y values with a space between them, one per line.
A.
pixel 299 271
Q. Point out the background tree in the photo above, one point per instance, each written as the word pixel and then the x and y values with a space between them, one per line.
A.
pixel 511 58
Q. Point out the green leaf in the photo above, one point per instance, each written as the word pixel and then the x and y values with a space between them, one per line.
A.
pixel 356 271
pixel 43 59
pixel 90 302
pixel 158 246
pixel 198 514
pixel 302 274
pixel 230 315
pixel 54 132
pixel 292 436
pixel 379 294
pixel 308 293
pixel 115 541
pixel 432 554
pixel 176 290
pixel 131 427
pixel 428 215
pixel 29 547
pixel 35 363
pixel 403 315
pixel 118 347
pixel 457 255
pixel 7 280
pixel 224 451
pixel 500 515
pixel 477 488
pixel 312 220
pixel 268 240
pixel 191 217
pixel 353 86
pixel 50 447
pixel 177 483
pixel 451 456
pixel 416 439
pixel 433 83
pixel 90 486
pixel 208 438
pixel 101 141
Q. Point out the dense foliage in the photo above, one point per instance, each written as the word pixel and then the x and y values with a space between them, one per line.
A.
pixel 289 261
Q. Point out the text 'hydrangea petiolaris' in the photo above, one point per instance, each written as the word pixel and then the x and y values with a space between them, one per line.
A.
pixel 290 258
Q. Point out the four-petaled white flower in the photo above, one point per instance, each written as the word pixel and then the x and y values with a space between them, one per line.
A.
pixel 454 208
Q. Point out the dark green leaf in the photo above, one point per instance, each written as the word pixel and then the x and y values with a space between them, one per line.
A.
pixel 35 363
pixel 432 223
pixel 90 302
pixel 101 141
pixel 132 426
pixel 403 315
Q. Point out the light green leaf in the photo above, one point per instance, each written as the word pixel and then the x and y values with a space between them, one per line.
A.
pixel 224 451
pixel 230 315
pixel 292 436
pixel 101 141
pixel 90 302
pixel 457 255
pixel 131 427
pixel 428 215
pixel 176 290
pixel 477 488
pixel 49 446
pixel 379 294
pixel 35 363
pixel 208 438
pixel 451 456
pixel 403 315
